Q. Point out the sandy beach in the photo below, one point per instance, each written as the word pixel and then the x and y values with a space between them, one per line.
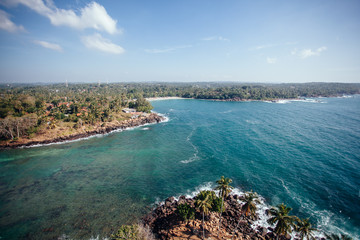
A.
pixel 165 98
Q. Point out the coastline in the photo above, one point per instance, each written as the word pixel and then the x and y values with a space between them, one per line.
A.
pixel 166 223
pixel 165 98
pixel 137 122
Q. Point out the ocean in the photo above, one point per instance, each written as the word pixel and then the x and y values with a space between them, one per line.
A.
pixel 304 153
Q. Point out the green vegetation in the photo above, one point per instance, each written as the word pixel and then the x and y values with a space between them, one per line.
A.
pixel 26 109
pixel 186 212
pixel 280 217
pixel 304 228
pixel 202 202
pixel 141 105
pixel 213 200
pixel 251 199
pixel 224 191
pixel 133 232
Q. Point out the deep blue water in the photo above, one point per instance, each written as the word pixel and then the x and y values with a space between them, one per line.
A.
pixel 303 153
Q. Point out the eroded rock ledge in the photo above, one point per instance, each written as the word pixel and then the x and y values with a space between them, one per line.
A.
pixel 167 224
pixel 150 118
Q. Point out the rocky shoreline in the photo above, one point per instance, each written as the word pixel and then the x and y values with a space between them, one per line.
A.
pixel 150 118
pixel 166 223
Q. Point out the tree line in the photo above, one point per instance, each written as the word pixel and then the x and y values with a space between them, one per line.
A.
pixel 24 108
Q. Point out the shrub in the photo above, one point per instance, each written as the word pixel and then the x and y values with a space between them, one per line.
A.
pixel 186 212
pixel 133 232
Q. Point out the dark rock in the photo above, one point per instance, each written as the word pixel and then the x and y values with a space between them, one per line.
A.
pixel 167 204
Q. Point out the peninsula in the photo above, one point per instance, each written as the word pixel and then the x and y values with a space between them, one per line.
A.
pixel 42 114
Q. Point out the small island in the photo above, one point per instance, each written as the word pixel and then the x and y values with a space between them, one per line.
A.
pixel 220 214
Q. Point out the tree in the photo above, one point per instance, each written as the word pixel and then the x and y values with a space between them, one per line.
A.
pixel 186 212
pixel 7 128
pixel 224 190
pixel 12 127
pixel 251 199
pixel 280 216
pixel 143 105
pixel 203 204
pixel 303 227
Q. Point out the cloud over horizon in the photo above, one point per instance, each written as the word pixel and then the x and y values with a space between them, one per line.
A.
pixel 271 60
pixel 48 45
pixel 212 38
pixel 96 41
pixel 93 15
pixel 305 53
pixel 166 50
pixel 8 25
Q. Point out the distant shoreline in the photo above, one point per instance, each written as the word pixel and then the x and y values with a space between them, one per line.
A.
pixel 141 121
pixel 165 98
pixel 274 100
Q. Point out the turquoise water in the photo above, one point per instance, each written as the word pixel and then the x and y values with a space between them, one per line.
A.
pixel 303 153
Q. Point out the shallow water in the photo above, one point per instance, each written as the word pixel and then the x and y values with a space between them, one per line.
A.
pixel 303 153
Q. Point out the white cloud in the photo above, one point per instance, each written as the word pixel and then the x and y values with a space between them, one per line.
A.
pixel 48 45
pixel 263 46
pixel 271 60
pixel 294 51
pixel 7 25
pixel 166 50
pixel 219 38
pixel 97 42
pixel 92 15
pixel 305 53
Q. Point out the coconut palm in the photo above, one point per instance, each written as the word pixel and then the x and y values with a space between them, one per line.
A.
pixel 203 204
pixel 280 216
pixel 303 227
pixel 249 208
pixel 251 199
pixel 224 187
pixel 224 190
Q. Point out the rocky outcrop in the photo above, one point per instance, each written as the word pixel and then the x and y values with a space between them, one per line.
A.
pixel 167 224
pixel 149 118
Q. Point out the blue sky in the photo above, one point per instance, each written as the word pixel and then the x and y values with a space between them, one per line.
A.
pixel 187 40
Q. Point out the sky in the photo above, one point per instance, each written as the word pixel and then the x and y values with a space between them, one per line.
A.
pixel 263 41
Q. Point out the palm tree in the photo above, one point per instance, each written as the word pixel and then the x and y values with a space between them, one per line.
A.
pixel 224 190
pixel 280 216
pixel 249 208
pixel 251 199
pixel 203 205
pixel 304 228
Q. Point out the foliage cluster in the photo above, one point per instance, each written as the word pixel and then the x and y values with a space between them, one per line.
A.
pixel 133 232
pixel 141 105
pixel 23 109
pixel 212 199
pixel 186 212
